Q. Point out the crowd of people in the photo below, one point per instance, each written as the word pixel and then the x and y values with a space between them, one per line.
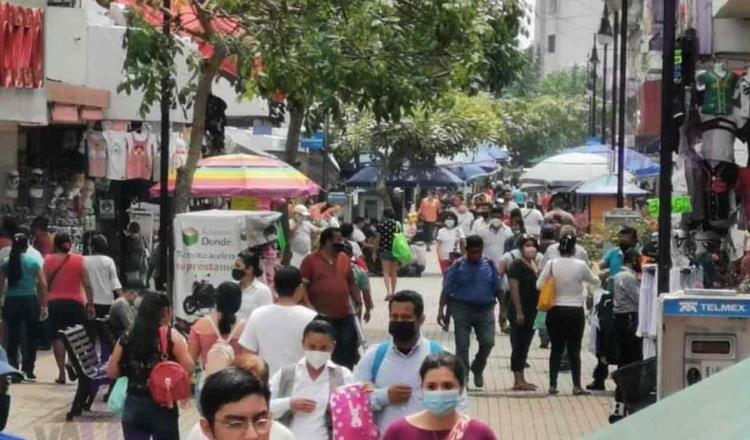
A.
pixel 267 360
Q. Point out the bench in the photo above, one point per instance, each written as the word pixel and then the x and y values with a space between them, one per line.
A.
pixel 84 362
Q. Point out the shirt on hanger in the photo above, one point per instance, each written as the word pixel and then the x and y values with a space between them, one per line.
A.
pixel 179 150
pixel 139 155
pixel 97 152
pixel 117 153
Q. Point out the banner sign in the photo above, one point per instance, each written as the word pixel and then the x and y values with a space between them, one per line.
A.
pixel 205 250
pixel 21 46
pixel 719 308
pixel 680 205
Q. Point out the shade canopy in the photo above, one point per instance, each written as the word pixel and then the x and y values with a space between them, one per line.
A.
pixel 486 155
pixel 715 408
pixel 636 163
pixel 607 185
pixel 568 169
pixel 468 172
pixel 246 175
pixel 426 177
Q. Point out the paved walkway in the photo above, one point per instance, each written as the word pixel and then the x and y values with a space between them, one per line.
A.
pixel 38 410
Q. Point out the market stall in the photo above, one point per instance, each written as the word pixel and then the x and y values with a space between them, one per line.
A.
pixel 601 193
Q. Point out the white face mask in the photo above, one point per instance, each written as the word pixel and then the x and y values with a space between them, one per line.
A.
pixel 450 223
pixel 496 223
pixel 317 359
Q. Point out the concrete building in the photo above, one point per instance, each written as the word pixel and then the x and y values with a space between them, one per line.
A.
pixel 564 31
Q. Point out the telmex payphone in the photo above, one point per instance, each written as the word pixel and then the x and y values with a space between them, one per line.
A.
pixel 701 332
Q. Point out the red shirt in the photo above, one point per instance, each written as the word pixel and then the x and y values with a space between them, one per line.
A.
pixel 328 284
pixel 68 283
pixel 43 243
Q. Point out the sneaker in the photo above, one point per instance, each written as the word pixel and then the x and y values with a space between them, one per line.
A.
pixel 596 386
pixel 31 377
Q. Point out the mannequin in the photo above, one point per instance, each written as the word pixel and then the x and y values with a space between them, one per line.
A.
pixel 742 94
pixel 11 188
pixel 87 196
pixel 720 87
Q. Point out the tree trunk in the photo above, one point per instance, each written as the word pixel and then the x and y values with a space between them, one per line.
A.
pixel 184 183
pixel 296 118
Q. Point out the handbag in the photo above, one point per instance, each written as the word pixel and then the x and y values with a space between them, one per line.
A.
pixel 116 400
pixel 400 248
pixel 168 382
pixel 547 292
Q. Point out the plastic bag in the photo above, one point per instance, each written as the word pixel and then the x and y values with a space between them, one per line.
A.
pixel 116 401
pixel 400 249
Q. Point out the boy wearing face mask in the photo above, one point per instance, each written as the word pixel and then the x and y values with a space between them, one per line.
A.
pixel 451 241
pixel 300 392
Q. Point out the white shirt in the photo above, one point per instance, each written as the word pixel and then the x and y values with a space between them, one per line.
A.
pixel 553 251
pixel 310 426
pixel 278 432
pixel 569 274
pixel 465 221
pixel 301 241
pixel 356 249
pixel 117 154
pixel 449 240
pixel 532 221
pixel 358 235
pixel 275 333
pixel 103 278
pixel 493 239
pixel 255 295
pixel 396 368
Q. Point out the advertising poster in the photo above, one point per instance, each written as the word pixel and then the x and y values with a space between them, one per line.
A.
pixel 206 246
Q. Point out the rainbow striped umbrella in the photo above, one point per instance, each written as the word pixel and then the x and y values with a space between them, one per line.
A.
pixel 246 175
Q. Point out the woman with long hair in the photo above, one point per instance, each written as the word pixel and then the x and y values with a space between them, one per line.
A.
pixel 255 292
pixel 387 229
pixel 565 320
pixel 134 356
pixel 67 280
pixel 221 323
pixel 25 303
pixel 443 383
pixel 524 296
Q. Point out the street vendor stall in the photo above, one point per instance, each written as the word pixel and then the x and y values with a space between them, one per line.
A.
pixel 206 246
pixel 602 195
pixel 246 180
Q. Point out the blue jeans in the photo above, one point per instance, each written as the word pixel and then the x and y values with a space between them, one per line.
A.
pixel 144 419
pixel 482 320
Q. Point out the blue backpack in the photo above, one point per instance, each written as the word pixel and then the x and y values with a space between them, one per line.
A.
pixel 383 348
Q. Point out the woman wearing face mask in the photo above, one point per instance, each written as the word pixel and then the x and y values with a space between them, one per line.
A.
pixel 517 228
pixel 255 293
pixel 300 392
pixel 443 379
pixel 451 241
pixel 522 274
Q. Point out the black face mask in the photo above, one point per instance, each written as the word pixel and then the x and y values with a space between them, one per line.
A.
pixel 339 247
pixel 237 274
pixel 625 246
pixel 402 331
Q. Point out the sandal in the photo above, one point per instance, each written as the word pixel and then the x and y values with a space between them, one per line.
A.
pixel 553 391
pixel 60 381
pixel 524 387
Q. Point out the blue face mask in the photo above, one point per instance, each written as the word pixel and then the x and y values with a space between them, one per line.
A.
pixel 441 402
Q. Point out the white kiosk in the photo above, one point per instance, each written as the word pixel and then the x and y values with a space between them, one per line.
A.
pixel 701 332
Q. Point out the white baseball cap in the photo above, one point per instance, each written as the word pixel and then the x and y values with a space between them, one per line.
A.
pixel 302 210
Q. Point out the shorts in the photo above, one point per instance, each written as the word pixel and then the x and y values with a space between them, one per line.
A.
pixel 387 256
pixel 64 313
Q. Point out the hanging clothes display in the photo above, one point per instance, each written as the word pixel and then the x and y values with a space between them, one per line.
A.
pixel 139 155
pixel 117 153
pixel 96 147
pixel 720 87
pixel 647 310
pixel 743 95
pixel 179 149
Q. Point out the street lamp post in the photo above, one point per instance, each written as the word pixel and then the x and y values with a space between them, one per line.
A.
pixel 621 122
pixel 593 61
pixel 605 36
pixel 613 124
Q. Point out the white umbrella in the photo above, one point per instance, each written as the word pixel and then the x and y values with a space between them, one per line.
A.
pixel 568 169
pixel 607 185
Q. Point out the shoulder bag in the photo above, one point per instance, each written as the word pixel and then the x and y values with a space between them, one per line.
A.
pixel 547 292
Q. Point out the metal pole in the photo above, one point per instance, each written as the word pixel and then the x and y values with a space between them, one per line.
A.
pixel 604 96
pixel 593 99
pixel 591 102
pixel 623 84
pixel 669 140
pixel 613 129
pixel 165 211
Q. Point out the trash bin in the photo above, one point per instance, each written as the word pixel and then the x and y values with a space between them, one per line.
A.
pixel 637 382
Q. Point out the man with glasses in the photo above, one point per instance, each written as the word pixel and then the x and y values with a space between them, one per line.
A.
pixel 235 406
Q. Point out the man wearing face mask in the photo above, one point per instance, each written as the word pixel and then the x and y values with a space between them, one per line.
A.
pixel 612 260
pixel 392 367
pixel 331 285
pixel 471 288
pixel 300 234
pixel 300 392
pixel 494 234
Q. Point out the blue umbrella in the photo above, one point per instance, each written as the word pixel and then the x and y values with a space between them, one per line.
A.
pixel 636 163
pixel 426 177
pixel 469 171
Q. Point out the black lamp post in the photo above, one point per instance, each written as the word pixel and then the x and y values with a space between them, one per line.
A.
pixel 593 61
pixel 165 209
pixel 621 115
pixel 605 36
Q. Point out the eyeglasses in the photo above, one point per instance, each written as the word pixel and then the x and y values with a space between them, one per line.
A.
pixel 240 426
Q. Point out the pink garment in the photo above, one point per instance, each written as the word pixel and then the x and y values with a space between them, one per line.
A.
pixel 139 156
pixel 206 341
pixel 97 152
pixel 402 430
pixel 351 415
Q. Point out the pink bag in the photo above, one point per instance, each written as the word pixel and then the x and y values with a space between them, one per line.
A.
pixel 350 414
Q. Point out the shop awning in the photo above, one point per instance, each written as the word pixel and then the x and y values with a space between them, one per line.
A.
pixel 731 9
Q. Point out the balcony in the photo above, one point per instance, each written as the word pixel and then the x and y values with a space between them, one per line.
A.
pixel 731 8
